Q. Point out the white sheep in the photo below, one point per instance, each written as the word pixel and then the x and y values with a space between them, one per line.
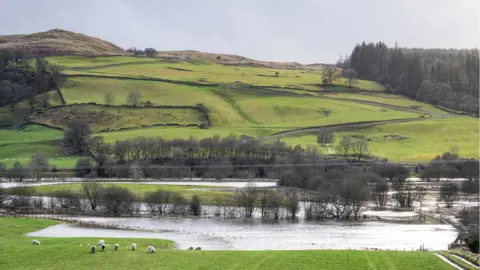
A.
pixel 151 250
pixel 35 242
pixel 93 248
pixel 115 247
pixel 134 246
pixel 100 243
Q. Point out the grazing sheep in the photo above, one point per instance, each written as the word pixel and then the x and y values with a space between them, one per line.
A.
pixel 151 250
pixel 35 242
pixel 93 249
pixel 103 247
pixel 190 248
pixel 115 247
pixel 134 246
pixel 198 248
pixel 101 242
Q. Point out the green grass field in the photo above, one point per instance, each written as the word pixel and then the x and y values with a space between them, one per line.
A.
pixel 199 71
pixel 389 99
pixel 115 118
pixel 424 139
pixel 67 253
pixel 257 112
pixel 21 144
pixel 140 190
pixel 16 117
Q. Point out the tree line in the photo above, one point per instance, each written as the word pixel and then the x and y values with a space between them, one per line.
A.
pixel 24 78
pixel 445 77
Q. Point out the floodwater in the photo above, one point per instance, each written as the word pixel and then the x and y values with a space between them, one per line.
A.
pixel 238 234
pixel 234 184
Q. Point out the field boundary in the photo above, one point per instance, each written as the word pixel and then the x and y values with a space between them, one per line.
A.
pixel 342 126
pixel 195 108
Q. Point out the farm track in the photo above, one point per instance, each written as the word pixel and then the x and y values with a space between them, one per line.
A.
pixel 342 127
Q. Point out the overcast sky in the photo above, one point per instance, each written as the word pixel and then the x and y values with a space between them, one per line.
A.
pixel 305 31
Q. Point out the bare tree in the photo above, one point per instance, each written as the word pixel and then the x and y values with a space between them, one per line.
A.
pixel 117 200
pixel 109 98
pixel 345 146
pixel 159 201
pixel 38 166
pixel 351 76
pixel 380 193
pixel 92 192
pixel 360 148
pixel 67 199
pixel 292 203
pixel 421 193
pixel 449 193
pixel 247 200
pixel 134 98
pixel 329 73
pixel 325 136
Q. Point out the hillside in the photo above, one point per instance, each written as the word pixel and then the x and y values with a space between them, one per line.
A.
pixel 59 42
pixel 230 59
pixel 185 94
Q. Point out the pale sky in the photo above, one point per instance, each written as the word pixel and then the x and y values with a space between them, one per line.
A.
pixel 306 31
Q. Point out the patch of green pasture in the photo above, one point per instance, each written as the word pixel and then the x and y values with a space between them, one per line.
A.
pixel 115 118
pixel 140 190
pixel 73 253
pixel 66 62
pixel 216 73
pixel 16 117
pixel 424 139
pixel 21 144
pixel 390 99
pixel 84 90
pixel 297 112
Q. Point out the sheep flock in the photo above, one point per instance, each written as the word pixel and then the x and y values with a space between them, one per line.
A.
pixel 101 244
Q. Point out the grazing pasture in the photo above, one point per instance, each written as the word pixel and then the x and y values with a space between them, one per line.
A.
pixel 74 253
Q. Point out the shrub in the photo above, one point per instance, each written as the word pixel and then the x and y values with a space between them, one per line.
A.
pixel 469 187
pixel 472 241
pixel 66 199
pixel 117 200
pixel 22 196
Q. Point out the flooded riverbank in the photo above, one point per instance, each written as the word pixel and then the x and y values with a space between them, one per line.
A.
pixel 239 234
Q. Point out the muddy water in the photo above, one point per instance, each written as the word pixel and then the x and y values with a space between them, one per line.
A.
pixel 257 235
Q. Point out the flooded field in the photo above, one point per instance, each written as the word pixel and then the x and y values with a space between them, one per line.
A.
pixel 234 184
pixel 254 234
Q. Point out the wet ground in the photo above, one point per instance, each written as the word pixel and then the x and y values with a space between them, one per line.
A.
pixel 238 234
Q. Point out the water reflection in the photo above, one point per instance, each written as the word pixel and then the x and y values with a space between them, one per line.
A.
pixel 240 234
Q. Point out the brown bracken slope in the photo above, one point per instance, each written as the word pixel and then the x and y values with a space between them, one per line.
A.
pixel 59 42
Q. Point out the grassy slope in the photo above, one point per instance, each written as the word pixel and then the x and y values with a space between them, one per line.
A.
pixel 115 118
pixel 66 253
pixel 19 145
pixel 7 117
pixel 425 139
pixel 396 100
pixel 80 90
pixel 214 73
pixel 187 192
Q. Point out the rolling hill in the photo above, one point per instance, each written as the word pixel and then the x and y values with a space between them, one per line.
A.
pixel 59 42
pixel 242 96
